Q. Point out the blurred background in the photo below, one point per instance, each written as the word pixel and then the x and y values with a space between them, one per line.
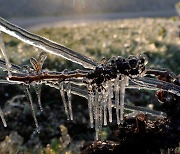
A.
pixel 27 8
pixel 97 29
pixel 45 12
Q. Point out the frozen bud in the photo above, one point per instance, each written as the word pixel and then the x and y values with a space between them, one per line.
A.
pixel 133 62
pixel 143 59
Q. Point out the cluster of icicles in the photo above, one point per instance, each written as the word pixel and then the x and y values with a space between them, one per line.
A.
pixel 67 103
pixel 100 102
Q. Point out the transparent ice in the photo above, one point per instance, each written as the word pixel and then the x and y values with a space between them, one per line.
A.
pixel 122 95
pixel 90 104
pixel 45 44
pixel 117 92
pixel 109 88
pixel 29 97
pixel 3 50
pixel 2 118
pixel 37 88
pixel 62 93
pixel 69 96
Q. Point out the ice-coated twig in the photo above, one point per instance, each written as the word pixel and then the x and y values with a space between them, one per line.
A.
pixel 69 96
pixel 145 110
pixel 8 82
pixel 3 50
pixel 62 92
pixel 2 118
pixel 14 68
pixel 160 71
pixel 150 82
pixel 45 44
pixel 29 97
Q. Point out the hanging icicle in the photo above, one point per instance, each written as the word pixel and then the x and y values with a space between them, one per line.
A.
pixel 122 95
pixel 90 104
pixel 62 93
pixel 98 115
pixel 109 100
pixel 105 100
pixel 37 88
pixel 126 80
pixel 29 97
pixel 69 96
pixel 2 118
pixel 3 50
pixel 116 89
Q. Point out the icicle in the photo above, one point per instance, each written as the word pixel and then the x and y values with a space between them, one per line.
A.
pixel 3 50
pixel 61 89
pixel 122 95
pixel 105 99
pixel 100 115
pixel 105 113
pixel 116 88
pixel 29 97
pixel 38 93
pixel 90 105
pixel 2 118
pixel 69 95
pixel 109 100
pixel 96 116
pixel 126 81
pixel 96 109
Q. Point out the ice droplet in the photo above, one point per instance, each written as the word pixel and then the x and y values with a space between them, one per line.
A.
pixel 3 50
pixel 62 93
pixel 69 96
pixel 29 97
pixel 2 118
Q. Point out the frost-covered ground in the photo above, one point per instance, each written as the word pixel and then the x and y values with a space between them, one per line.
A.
pixel 158 38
